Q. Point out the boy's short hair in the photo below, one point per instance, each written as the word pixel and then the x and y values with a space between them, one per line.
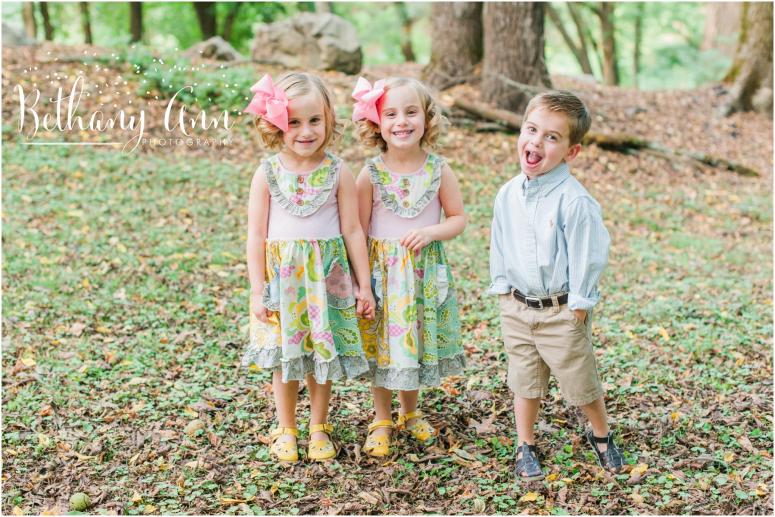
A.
pixel 435 121
pixel 565 102
pixel 298 84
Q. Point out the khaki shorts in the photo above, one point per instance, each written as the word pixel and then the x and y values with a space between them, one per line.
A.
pixel 551 339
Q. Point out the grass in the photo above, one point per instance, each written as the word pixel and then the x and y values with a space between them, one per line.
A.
pixel 125 315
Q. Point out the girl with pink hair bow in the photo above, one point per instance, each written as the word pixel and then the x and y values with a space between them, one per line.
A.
pixel 414 339
pixel 303 237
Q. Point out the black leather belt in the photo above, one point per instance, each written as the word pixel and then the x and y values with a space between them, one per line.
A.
pixel 539 303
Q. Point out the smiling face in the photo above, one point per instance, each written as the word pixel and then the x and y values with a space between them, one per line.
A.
pixel 306 125
pixel 544 142
pixel 402 118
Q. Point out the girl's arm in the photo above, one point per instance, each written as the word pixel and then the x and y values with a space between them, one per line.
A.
pixel 354 239
pixel 455 216
pixel 258 219
pixel 365 191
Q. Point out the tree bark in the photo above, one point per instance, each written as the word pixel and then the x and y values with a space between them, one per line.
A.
pixel 638 37
pixel 205 13
pixel 456 43
pixel 722 23
pixel 86 23
pixel 48 29
pixel 577 50
pixel 605 11
pixel 28 13
pixel 228 22
pixel 136 21
pixel 323 7
pixel 751 70
pixel 514 49
pixel 406 32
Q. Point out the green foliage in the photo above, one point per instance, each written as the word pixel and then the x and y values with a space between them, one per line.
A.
pixel 670 45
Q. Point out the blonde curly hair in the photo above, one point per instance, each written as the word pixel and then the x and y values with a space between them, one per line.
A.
pixel 298 84
pixel 435 122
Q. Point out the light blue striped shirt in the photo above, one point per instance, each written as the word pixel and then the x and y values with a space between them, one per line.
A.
pixel 548 238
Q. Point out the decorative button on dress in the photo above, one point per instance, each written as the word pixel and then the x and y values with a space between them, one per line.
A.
pixel 314 328
pixel 414 339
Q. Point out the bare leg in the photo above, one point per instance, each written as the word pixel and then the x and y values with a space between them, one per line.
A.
pixel 408 400
pixel 383 399
pixel 285 397
pixel 526 415
pixel 598 419
pixel 319 398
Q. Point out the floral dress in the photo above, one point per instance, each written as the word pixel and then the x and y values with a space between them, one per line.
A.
pixel 414 339
pixel 313 328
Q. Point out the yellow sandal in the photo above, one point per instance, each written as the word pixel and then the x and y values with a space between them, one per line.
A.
pixel 420 429
pixel 321 450
pixel 378 446
pixel 284 451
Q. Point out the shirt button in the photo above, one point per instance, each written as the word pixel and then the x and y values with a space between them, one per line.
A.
pixel 301 179
pixel 299 191
pixel 406 204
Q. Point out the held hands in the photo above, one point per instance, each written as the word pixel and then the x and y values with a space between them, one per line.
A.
pixel 416 239
pixel 365 306
pixel 580 314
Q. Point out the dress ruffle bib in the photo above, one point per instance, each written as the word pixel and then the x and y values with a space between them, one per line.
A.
pixel 313 328
pixel 414 339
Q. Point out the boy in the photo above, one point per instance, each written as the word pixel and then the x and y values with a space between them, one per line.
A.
pixel 548 249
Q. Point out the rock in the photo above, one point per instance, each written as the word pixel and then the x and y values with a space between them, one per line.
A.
pixel 14 37
pixel 79 502
pixel 318 41
pixel 214 48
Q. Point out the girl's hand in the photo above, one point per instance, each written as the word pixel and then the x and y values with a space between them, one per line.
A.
pixel 257 302
pixel 417 239
pixel 365 306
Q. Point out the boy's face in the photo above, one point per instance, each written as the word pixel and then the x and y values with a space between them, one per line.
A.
pixel 544 142
pixel 402 120
pixel 306 125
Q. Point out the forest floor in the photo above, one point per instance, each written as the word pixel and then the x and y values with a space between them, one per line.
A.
pixel 125 312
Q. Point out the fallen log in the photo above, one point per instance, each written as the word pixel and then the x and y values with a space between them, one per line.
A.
pixel 619 142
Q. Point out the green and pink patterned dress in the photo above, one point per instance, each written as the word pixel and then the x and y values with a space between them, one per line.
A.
pixel 414 340
pixel 313 328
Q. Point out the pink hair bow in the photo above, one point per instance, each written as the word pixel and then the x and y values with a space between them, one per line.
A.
pixel 269 102
pixel 366 99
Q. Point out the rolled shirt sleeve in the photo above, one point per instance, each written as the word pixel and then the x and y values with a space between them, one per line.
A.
pixel 588 242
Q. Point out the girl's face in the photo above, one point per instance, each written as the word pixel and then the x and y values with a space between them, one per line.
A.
pixel 402 118
pixel 306 125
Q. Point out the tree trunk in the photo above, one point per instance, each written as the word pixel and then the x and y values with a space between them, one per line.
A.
pixel 751 70
pixel 136 21
pixel 28 13
pixel 205 13
pixel 86 23
pixel 323 7
pixel 456 43
pixel 722 23
pixel 583 32
pixel 228 22
pixel 514 50
pixel 48 29
pixel 605 11
pixel 638 37
pixel 578 51
pixel 406 32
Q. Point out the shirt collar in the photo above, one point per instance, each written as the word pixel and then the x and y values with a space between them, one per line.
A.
pixel 549 179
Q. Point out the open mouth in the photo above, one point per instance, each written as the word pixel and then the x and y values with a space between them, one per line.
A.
pixel 305 142
pixel 532 158
pixel 403 133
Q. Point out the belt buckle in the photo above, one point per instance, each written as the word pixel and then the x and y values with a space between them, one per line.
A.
pixel 534 299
